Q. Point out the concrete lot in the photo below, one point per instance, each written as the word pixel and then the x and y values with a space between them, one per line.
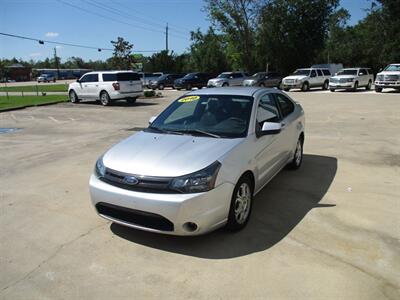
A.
pixel 328 231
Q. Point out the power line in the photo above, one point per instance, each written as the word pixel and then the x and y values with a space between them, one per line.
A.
pixel 40 41
pixel 110 18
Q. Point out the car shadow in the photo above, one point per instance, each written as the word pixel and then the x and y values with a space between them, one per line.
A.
pixel 277 209
pixel 121 103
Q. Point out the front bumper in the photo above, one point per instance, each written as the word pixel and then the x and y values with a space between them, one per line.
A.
pixel 208 210
pixel 294 85
pixel 341 85
pixel 387 84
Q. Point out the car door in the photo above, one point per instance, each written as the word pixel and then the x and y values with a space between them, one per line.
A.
pixel 289 125
pixel 237 79
pixel 91 86
pixel 321 77
pixel 82 87
pixel 362 77
pixel 313 78
pixel 269 148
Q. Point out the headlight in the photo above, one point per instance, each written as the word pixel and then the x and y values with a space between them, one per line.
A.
pixel 198 182
pixel 350 79
pixel 100 169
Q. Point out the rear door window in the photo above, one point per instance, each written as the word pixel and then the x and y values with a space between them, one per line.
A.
pixel 326 72
pixel 109 77
pixel 128 76
pixel 286 106
pixel 319 73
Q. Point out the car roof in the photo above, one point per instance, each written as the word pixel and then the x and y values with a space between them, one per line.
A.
pixel 113 72
pixel 237 91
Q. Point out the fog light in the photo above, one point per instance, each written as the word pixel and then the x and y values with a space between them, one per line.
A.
pixel 190 226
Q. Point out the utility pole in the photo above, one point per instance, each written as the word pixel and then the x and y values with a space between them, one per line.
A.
pixel 166 38
pixel 56 62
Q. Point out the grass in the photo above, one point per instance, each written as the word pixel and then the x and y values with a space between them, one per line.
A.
pixel 32 88
pixel 19 101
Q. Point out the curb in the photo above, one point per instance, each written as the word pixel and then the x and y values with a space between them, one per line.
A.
pixel 31 105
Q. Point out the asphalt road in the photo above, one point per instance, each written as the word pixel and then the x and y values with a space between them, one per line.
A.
pixel 330 230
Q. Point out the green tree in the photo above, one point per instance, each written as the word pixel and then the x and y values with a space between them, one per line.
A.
pixel 238 20
pixel 122 58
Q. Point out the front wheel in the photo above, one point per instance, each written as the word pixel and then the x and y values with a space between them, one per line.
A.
pixel 104 98
pixel 241 203
pixel 378 89
pixel 355 86
pixel 225 84
pixel 161 86
pixel 305 87
pixel 188 87
pixel 298 156
pixel 73 97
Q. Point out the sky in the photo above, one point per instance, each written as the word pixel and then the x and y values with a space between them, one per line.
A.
pixel 97 22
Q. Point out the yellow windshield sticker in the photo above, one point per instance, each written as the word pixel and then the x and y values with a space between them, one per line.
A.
pixel 189 99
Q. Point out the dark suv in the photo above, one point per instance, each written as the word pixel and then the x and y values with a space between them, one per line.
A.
pixel 267 79
pixel 166 80
pixel 192 80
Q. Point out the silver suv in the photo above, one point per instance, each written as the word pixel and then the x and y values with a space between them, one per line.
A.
pixel 352 78
pixel 305 79
pixel 228 79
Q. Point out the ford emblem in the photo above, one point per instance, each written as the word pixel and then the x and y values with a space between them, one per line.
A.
pixel 131 180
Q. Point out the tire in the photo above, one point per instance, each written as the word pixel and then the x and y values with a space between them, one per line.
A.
pixel 241 204
pixel 225 84
pixel 73 97
pixel 368 87
pixel 332 90
pixel 104 98
pixel 305 87
pixel 131 100
pixel 286 89
pixel 161 87
pixel 355 86
pixel 378 89
pixel 326 85
pixel 188 87
pixel 297 156
pixel 262 84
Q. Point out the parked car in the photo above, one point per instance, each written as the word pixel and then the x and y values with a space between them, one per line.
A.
pixel 166 80
pixel 148 77
pixel 388 78
pixel 192 80
pixel 199 164
pixel 46 78
pixel 352 78
pixel 228 79
pixel 264 79
pixel 108 86
pixel 305 79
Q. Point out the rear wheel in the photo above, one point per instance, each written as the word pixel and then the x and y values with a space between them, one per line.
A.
pixel 368 87
pixel 241 203
pixel 73 97
pixel 161 87
pixel 298 156
pixel 104 98
pixel 131 100
pixel 326 85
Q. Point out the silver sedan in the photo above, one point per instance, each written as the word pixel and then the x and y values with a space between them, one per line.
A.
pixel 200 162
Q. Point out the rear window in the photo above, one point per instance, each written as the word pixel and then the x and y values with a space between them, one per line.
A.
pixel 128 76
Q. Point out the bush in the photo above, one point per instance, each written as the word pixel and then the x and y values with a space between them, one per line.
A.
pixel 149 93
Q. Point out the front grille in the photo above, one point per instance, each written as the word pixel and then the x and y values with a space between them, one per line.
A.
pixel 146 184
pixel 391 78
pixel 135 217
pixel 289 81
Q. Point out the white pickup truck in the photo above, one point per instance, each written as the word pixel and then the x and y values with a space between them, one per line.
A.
pixel 388 78
pixel 305 79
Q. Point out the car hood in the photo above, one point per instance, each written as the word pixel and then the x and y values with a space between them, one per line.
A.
pixel 166 155
pixel 215 80
pixel 343 76
pixel 298 77
pixel 389 73
pixel 250 80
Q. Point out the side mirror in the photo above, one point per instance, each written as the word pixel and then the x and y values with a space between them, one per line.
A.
pixel 151 120
pixel 271 128
pixel 380 69
pixel 78 81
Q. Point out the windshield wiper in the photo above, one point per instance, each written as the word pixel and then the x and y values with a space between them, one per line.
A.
pixel 192 131
pixel 165 131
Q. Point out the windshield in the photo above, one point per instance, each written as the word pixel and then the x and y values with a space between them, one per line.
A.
pixel 392 68
pixel 190 76
pixel 206 115
pixel 162 77
pixel 224 75
pixel 258 75
pixel 304 72
pixel 347 72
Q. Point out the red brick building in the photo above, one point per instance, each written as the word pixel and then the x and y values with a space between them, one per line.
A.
pixel 19 72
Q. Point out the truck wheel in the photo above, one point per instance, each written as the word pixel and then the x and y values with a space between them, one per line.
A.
pixel 368 87
pixel 305 87
pixel 73 97
pixel 225 84
pixel 104 98
pixel 131 100
pixel 326 85
pixel 355 86
pixel 378 89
